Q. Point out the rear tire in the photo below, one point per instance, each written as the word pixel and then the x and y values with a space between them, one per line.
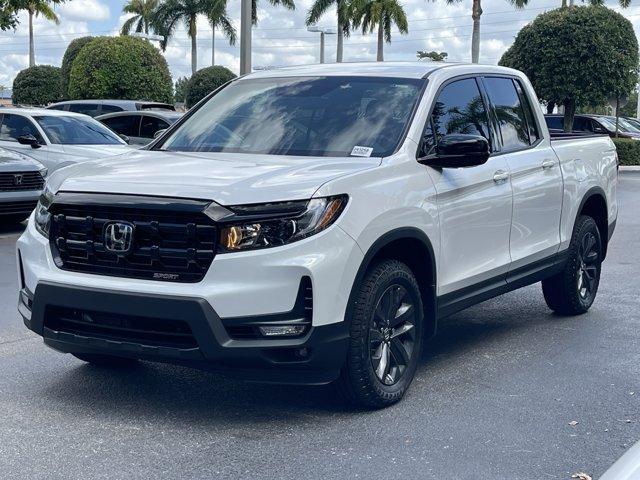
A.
pixel 573 290
pixel 386 337
pixel 107 361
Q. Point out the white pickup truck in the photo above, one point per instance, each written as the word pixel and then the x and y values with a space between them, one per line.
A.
pixel 314 224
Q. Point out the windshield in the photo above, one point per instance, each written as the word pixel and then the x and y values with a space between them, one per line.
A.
pixel 319 116
pixel 627 125
pixel 610 124
pixel 77 131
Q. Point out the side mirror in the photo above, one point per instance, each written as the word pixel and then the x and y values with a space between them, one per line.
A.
pixel 29 140
pixel 458 150
pixel 159 133
pixel 125 138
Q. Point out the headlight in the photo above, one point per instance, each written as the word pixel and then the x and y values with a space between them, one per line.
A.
pixel 249 227
pixel 42 217
pixel 43 172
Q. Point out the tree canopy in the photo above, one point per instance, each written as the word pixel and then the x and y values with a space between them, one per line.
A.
pixel 70 55
pixel 120 67
pixel 38 86
pixel 205 81
pixel 577 56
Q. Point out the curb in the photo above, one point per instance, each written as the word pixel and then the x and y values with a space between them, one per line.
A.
pixel 629 168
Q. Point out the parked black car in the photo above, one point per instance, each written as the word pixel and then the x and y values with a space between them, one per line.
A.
pixel 601 124
pixel 139 127
pixel 93 108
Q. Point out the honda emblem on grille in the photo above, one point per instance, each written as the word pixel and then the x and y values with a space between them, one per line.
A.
pixel 118 237
pixel 17 179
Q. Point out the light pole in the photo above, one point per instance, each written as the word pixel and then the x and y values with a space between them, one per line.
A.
pixel 322 31
pixel 245 37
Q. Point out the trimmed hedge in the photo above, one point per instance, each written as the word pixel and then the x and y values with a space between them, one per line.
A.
pixel 205 81
pixel 628 151
pixel 70 55
pixel 37 86
pixel 120 68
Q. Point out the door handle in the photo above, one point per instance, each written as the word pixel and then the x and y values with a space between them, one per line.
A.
pixel 547 164
pixel 500 176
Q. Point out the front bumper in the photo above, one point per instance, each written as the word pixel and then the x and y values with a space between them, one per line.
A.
pixel 315 358
pixel 18 203
pixel 238 287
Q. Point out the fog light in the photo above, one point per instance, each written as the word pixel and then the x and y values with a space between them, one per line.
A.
pixel 282 330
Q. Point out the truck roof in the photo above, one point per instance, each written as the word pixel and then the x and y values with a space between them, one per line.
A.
pixel 377 69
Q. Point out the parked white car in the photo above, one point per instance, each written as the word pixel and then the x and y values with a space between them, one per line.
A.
pixel 315 224
pixel 56 138
pixel 21 182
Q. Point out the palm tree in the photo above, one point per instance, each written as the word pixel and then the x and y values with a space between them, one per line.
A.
pixel 218 18
pixel 171 12
pixel 345 16
pixel 34 8
pixel 383 14
pixel 143 11
pixel 476 13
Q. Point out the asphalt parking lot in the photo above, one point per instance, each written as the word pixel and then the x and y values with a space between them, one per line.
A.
pixel 495 397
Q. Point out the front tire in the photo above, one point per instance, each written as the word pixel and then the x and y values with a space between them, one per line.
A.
pixel 386 337
pixel 573 290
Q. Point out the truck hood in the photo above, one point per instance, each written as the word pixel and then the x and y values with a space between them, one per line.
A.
pixel 92 152
pixel 227 178
pixel 15 162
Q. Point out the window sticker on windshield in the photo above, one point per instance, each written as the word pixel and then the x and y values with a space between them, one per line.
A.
pixel 359 151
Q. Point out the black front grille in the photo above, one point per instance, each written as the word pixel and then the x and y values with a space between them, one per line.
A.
pixel 120 328
pixel 15 208
pixel 172 239
pixel 20 181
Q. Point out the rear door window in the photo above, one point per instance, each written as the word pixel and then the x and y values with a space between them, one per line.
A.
pixel 111 109
pixel 509 113
pixel 150 125
pixel 90 109
pixel 128 125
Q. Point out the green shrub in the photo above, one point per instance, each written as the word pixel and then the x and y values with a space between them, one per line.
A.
pixel 628 151
pixel 70 55
pixel 205 81
pixel 38 85
pixel 120 68
pixel 577 56
pixel 180 92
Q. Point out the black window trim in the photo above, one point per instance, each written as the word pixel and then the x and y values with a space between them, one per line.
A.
pixel 443 85
pixel 524 91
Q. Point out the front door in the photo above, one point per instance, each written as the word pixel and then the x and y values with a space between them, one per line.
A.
pixel 13 126
pixel 474 203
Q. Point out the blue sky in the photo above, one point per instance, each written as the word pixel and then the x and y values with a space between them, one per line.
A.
pixel 281 37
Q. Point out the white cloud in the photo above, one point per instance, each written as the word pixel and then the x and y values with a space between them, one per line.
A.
pixel 84 10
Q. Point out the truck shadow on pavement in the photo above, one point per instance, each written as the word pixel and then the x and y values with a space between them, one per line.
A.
pixel 11 228
pixel 176 394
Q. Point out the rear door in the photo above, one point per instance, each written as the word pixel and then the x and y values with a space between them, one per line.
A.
pixel 149 126
pixel 536 178
pixel 128 125
pixel 474 203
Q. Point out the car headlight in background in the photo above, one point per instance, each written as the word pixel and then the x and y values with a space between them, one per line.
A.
pixel 249 227
pixel 42 217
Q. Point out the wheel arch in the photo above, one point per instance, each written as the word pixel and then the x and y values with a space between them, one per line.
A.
pixel 411 246
pixel 594 204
